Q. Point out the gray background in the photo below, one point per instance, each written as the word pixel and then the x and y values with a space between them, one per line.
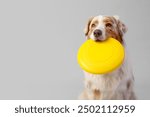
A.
pixel 39 42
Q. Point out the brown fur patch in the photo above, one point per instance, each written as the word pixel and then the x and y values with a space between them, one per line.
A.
pixel 91 27
pixel 128 85
pixel 87 27
pixel 114 34
pixel 113 31
pixel 109 20
pixel 96 94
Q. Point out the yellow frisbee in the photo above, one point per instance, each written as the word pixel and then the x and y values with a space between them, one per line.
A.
pixel 100 57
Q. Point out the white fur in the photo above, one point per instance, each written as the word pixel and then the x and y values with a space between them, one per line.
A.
pixel 100 26
pixel 113 85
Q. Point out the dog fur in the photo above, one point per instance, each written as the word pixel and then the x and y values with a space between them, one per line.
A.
pixel 119 84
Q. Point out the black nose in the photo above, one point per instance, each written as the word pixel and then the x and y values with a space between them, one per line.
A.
pixel 97 33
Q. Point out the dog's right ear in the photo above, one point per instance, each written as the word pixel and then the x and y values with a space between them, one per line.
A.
pixel 87 27
pixel 121 26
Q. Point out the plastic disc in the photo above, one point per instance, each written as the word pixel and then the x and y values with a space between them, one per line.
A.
pixel 100 57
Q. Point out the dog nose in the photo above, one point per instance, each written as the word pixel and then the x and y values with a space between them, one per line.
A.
pixel 97 33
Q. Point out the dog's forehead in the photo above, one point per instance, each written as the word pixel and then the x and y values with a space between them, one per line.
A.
pixel 102 19
pixel 99 18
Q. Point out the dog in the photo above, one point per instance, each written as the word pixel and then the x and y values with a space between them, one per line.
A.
pixel 118 84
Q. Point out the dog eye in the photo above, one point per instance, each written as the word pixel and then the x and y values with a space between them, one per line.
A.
pixel 108 25
pixel 93 25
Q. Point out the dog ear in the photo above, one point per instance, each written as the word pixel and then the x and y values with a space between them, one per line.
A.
pixel 121 26
pixel 116 17
pixel 87 27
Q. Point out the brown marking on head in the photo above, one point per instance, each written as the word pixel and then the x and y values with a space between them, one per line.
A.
pixel 87 27
pixel 113 28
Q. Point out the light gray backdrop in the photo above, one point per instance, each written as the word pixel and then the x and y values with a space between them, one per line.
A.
pixel 39 42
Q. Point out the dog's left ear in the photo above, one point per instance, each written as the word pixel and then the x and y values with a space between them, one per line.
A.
pixel 87 27
pixel 121 26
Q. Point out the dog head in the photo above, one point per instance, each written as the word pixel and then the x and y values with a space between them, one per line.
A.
pixel 100 28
